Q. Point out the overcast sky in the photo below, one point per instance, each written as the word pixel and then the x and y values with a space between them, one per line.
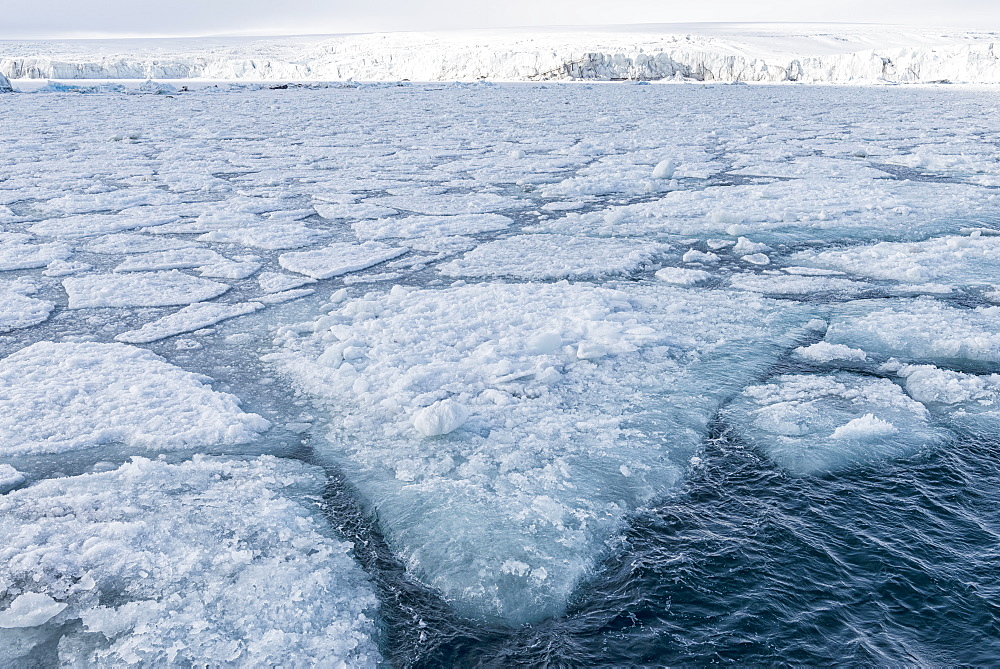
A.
pixel 88 18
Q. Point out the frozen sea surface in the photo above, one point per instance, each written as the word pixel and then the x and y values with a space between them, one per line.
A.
pixel 559 374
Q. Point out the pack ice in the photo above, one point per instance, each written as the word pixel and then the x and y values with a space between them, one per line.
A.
pixel 210 562
pixel 503 432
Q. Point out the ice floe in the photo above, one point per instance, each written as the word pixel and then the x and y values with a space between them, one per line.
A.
pixel 555 257
pixel 338 258
pixel 59 397
pixel 17 309
pixel 207 562
pixel 503 431
pixel 190 318
pixel 811 423
pixel 429 226
pixel 139 289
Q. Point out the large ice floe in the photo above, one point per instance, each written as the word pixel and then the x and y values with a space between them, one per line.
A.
pixel 209 562
pixel 503 432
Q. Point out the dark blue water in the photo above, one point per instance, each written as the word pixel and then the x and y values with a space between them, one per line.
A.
pixel 886 564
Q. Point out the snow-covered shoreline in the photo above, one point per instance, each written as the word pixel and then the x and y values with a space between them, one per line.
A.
pixel 751 53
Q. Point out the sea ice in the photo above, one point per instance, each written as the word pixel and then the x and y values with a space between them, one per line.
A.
pixel 491 424
pixel 139 289
pixel 190 318
pixel 429 226
pixel 207 562
pixel 338 258
pixel 964 401
pixel 811 423
pixel 555 257
pixel 920 330
pixel 62 397
pixel 17 310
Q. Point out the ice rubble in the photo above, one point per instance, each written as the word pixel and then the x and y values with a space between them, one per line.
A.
pixel 560 408
pixel 5 86
pixel 209 562
pixel 139 289
pixel 57 397
pixel 730 52
pixel 555 257
pixel 811 423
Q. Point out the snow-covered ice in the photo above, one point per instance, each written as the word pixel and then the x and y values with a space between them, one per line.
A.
pixel 60 397
pixel 555 257
pixel 139 289
pixel 190 318
pixel 821 423
pixel 338 258
pixel 206 562
pixel 19 310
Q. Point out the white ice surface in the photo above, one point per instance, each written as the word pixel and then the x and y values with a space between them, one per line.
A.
pixel 208 562
pixel 139 289
pixel 338 258
pixel 812 424
pixel 17 309
pixel 809 53
pixel 919 330
pixel 61 397
pixel 555 257
pixel 966 401
pixel 429 226
pixel 190 318
pixel 579 404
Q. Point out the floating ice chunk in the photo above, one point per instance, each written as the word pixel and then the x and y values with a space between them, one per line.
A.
pixel 5 86
pixel 919 330
pixel 17 310
pixel 564 205
pixel 664 169
pixel 681 276
pixel 206 261
pixel 777 284
pixel 130 242
pixel 535 474
pixel 201 563
pixel 964 401
pixel 555 257
pixel 352 210
pixel 61 397
pixel 140 289
pixel 826 352
pixel 275 282
pixel 953 260
pixel 745 247
pixel 442 417
pixel 757 259
pixel 814 423
pixel 430 226
pixel 21 255
pixel 30 609
pixel 65 267
pixel 696 256
pixel 812 271
pixel 338 258
pixel 91 225
pixel 10 478
pixel 285 296
pixel 190 318
pixel 451 204
pixel 271 235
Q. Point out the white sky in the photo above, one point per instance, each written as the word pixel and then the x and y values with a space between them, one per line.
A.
pixel 92 18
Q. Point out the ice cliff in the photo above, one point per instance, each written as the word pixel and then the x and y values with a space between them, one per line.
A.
pixel 839 54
